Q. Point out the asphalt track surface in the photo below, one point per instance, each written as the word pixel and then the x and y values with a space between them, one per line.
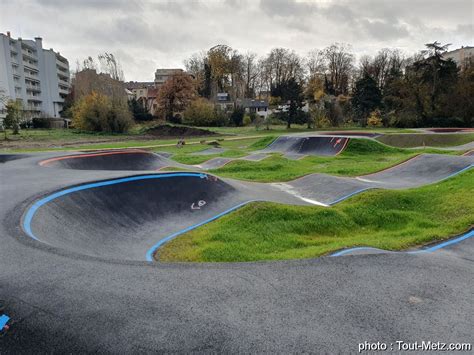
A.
pixel 210 151
pixel 61 300
pixel 295 147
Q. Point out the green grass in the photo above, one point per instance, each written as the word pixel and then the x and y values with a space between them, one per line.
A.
pixel 391 220
pixel 281 129
pixel 429 140
pixel 361 157
pixel 235 149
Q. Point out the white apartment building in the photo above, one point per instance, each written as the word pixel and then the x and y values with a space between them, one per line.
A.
pixel 161 75
pixel 461 55
pixel 37 77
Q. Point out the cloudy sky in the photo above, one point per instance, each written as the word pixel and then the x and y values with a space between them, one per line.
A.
pixel 148 34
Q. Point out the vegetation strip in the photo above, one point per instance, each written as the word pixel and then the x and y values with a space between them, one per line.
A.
pixel 389 220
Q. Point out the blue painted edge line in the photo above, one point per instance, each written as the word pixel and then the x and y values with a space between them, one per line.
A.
pixel 154 248
pixel 350 195
pixel 457 172
pixel 32 210
pixel 345 251
pixel 425 250
pixel 3 320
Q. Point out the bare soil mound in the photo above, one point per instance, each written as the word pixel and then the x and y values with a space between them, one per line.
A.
pixel 179 131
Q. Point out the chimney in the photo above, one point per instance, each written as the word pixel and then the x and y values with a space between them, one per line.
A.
pixel 39 42
pixel 8 34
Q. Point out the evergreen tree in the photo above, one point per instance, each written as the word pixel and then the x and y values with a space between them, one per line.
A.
pixel 366 97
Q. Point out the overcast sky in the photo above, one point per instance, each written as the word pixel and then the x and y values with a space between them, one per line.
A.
pixel 148 34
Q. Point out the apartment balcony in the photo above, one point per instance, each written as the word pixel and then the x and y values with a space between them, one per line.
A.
pixel 63 88
pixel 30 75
pixel 62 65
pixel 29 54
pixel 35 88
pixel 33 98
pixel 33 107
pixel 63 80
pixel 30 64
pixel 62 71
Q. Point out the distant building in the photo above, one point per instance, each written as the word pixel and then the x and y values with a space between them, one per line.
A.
pixel 131 85
pixel 87 81
pixel 461 55
pixel 161 75
pixel 151 103
pixel 224 102
pixel 259 107
pixel 37 77
pixel 139 88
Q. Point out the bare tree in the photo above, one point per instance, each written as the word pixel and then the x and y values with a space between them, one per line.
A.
pixel 111 65
pixel 340 62
pixel 250 73
pixel 281 65
pixel 315 63
pixel 386 61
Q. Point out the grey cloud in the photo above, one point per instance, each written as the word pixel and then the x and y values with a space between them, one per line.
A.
pixel 383 30
pixel 146 33
pixel 285 8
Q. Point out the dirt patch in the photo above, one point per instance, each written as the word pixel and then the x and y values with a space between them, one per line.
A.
pixel 178 132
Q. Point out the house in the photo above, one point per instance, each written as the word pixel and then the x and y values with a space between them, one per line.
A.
pixel 224 102
pixel 152 104
pixel 259 107
pixel 139 88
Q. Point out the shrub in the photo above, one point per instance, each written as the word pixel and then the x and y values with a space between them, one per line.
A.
pixel 237 116
pixel 176 119
pixel 41 122
pixel 375 119
pixel 247 120
pixel 138 111
pixel 95 112
pixel 221 117
pixel 201 113
pixel 258 122
pixel 14 116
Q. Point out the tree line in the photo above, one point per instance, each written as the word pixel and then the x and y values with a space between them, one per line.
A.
pixel 392 88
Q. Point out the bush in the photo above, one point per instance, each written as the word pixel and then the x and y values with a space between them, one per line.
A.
pixel 318 116
pixel 221 117
pixel 41 122
pixel 95 112
pixel 247 120
pixel 201 113
pixel 138 111
pixel 258 122
pixel 176 119
pixel 375 119
pixel 237 116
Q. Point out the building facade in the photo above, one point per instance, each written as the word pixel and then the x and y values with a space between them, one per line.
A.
pixel 161 75
pixel 38 78
pixel 461 55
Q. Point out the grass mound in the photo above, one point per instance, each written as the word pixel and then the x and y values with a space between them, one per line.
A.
pixel 362 156
pixel 429 140
pixel 366 146
pixel 392 220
